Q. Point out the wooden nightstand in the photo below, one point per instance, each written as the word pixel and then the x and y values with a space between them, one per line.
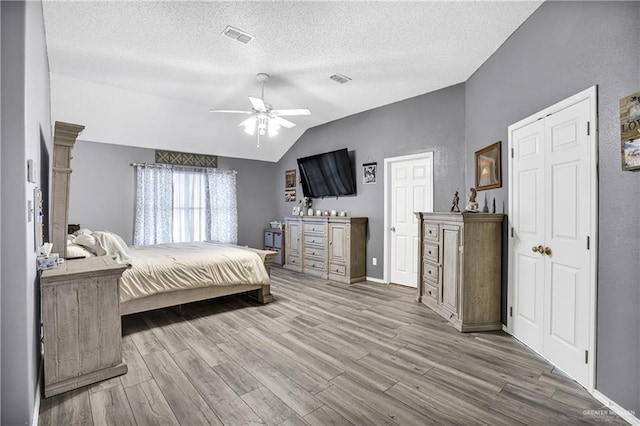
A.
pixel 80 305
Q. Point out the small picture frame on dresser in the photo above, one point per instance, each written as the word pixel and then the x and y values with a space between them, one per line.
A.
pixel 296 210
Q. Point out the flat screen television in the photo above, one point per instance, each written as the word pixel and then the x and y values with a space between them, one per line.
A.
pixel 327 175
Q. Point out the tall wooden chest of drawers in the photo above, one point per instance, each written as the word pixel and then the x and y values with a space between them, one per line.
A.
pixel 460 258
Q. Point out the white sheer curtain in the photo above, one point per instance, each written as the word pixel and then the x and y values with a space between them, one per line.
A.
pixel 154 205
pixel 222 225
pixel 189 205
pixel 179 204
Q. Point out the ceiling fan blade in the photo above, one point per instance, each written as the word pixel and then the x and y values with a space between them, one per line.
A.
pixel 258 104
pixel 231 111
pixel 283 122
pixel 289 112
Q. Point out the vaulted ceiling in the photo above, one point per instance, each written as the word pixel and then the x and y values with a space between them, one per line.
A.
pixel 147 73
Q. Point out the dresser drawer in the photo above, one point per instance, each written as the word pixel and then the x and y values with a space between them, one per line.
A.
pixel 293 260
pixel 431 252
pixel 430 273
pixel 338 269
pixel 311 251
pixel 314 239
pixel 431 291
pixel 315 228
pixel 317 265
pixel 431 231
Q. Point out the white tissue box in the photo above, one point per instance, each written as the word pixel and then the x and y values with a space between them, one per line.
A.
pixel 47 262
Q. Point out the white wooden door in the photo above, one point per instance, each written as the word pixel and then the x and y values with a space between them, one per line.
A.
pixel 528 223
pixel 551 217
pixel 568 222
pixel 411 191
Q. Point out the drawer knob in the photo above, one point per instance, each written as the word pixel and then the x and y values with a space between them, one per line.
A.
pixel 429 272
pixel 430 231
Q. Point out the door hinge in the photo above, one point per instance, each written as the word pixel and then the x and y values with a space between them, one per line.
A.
pixel 511 152
pixel 588 242
pixel 588 128
pixel 586 357
pixel 510 311
pixel 512 232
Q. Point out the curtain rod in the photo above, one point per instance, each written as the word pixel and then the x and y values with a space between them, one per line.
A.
pixel 171 166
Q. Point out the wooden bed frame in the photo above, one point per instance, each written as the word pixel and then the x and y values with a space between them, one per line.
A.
pixel 65 136
pixel 259 292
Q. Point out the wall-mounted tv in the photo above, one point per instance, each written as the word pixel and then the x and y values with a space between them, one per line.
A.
pixel 327 175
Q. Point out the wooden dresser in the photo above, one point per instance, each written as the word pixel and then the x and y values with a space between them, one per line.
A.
pixel 460 268
pixel 328 247
pixel 81 320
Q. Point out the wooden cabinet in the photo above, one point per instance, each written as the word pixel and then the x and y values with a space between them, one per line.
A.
pixel 274 241
pixel 293 243
pixel 328 247
pixel 460 268
pixel 80 305
pixel 347 249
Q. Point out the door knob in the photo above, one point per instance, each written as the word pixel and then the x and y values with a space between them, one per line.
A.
pixel 537 249
pixel 547 251
pixel 392 229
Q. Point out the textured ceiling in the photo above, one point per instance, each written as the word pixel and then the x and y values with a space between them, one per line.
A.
pixel 175 50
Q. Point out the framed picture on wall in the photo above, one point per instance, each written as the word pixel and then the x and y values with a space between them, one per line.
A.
pixel 488 167
pixel 630 131
pixel 290 179
pixel 369 173
pixel 290 195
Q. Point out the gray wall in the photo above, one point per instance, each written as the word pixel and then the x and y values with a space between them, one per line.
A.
pixel 431 122
pixel 102 188
pixel 563 48
pixel 26 134
pixel 102 194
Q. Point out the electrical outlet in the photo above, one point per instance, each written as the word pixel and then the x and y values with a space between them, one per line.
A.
pixel 374 261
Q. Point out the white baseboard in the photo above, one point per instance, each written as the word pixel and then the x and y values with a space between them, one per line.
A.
pixel 376 280
pixel 626 415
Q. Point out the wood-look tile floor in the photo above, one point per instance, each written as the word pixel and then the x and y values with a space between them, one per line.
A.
pixel 322 353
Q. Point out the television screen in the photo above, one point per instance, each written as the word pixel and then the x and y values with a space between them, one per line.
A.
pixel 327 175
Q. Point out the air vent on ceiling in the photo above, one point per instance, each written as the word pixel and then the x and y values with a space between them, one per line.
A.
pixel 342 79
pixel 236 34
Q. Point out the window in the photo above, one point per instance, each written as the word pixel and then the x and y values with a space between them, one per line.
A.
pixel 180 204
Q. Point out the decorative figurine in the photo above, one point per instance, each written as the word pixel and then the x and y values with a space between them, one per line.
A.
pixel 454 207
pixel 472 205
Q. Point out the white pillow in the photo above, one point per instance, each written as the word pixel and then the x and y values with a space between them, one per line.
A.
pixel 108 245
pixel 87 241
pixel 74 250
pixel 83 231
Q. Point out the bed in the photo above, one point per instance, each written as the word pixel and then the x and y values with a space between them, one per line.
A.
pixel 172 274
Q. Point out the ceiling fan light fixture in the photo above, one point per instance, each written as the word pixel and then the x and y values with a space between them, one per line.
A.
pixel 273 128
pixel 249 125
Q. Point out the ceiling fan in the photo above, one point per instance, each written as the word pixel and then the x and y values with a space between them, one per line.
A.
pixel 263 117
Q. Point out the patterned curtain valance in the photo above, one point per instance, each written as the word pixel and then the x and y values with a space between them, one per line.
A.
pixel 186 159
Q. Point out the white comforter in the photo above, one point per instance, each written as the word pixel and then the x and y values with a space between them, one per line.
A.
pixel 168 267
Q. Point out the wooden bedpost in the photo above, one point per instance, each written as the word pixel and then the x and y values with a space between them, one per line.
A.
pixel 263 295
pixel 64 137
